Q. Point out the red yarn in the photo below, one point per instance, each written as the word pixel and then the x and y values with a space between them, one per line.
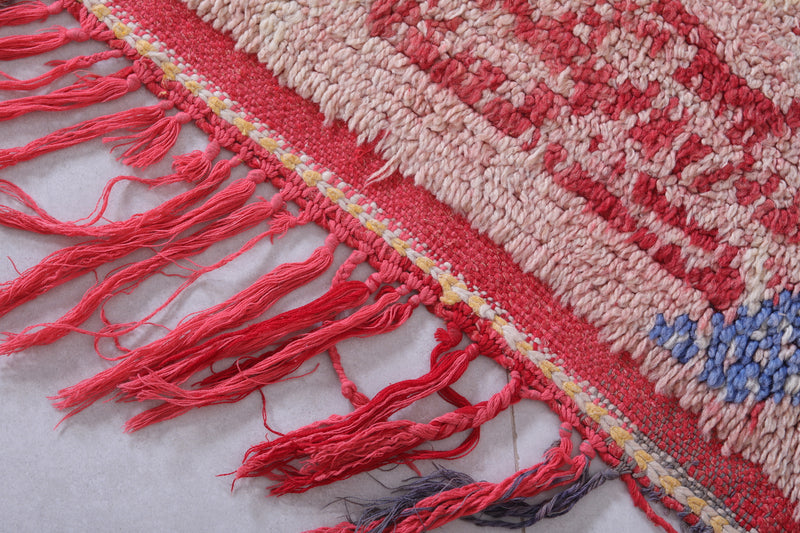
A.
pixel 87 130
pixel 338 451
pixel 192 168
pixel 182 340
pixel 60 69
pixel 130 276
pixel 388 401
pixel 178 366
pixel 640 502
pixel 151 145
pixel 89 90
pixel 19 46
pixel 349 389
pixel 379 317
pixel 73 261
pixel 141 230
pixel 348 266
pixel 559 468
pixel 196 164
pixel 43 223
pixel 27 12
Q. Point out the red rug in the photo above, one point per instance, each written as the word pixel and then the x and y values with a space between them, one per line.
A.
pixel 600 196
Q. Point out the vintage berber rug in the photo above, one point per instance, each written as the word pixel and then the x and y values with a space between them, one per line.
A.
pixel 600 195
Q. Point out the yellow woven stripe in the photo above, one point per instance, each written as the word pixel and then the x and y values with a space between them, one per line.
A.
pixel 100 11
pixel 170 70
pixel 642 458
pixel 144 47
pixel 620 436
pixel 290 161
pixel 216 105
pixel 269 144
pixel 425 264
pixel 595 412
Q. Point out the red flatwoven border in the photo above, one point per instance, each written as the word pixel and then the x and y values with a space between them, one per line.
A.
pixel 738 483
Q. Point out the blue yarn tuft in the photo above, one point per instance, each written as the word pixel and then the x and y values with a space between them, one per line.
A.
pixel 756 355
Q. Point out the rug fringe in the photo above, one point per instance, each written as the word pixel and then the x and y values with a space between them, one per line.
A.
pixel 152 144
pixel 147 229
pixel 59 70
pixel 21 46
pixel 177 365
pixel 183 340
pixel 129 119
pixel 430 502
pixel 189 168
pixel 340 447
pixel 88 90
pixel 26 12
pixel 81 258
pixel 249 375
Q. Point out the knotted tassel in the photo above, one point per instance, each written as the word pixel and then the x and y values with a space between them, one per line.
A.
pixel 196 164
pixel 346 453
pixel 190 167
pixel 264 458
pixel 238 309
pixel 349 389
pixel 66 264
pixel 12 14
pixel 518 513
pixel 60 69
pixel 151 145
pixel 233 224
pixel 131 119
pixel 178 365
pixel 90 89
pixel 369 320
pixel 275 367
pixel 20 46
pixel 431 503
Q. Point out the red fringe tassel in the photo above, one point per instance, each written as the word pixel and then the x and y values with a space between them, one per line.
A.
pixel 346 453
pixel 247 376
pixel 89 90
pixel 27 12
pixel 131 119
pixel 559 468
pixel 20 46
pixel 177 367
pixel 240 308
pixel 67 265
pixel 123 238
pixel 151 145
pixel 61 69
pixel 320 441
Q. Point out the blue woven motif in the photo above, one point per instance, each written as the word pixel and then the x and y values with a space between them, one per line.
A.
pixel 757 354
